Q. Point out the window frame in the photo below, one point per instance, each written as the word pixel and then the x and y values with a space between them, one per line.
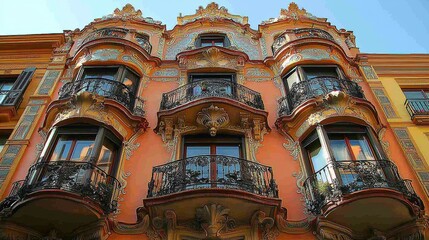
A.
pixel 121 72
pixel 214 36
pixel 321 135
pixel 219 140
pixel 303 77
pixel 100 133
pixel 7 79
pixel 425 92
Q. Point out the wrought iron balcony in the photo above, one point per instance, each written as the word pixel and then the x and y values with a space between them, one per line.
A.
pixel 211 88
pixel 212 171
pixel 318 86
pixel 81 178
pixel 107 88
pixel 299 33
pixel 106 33
pixel 417 107
pixel 336 180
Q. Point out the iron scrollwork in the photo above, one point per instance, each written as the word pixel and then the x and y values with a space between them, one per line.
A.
pixel 82 178
pixel 106 33
pixel 300 33
pixel 345 177
pixel 110 89
pixel 197 173
pixel 211 88
pixel 319 86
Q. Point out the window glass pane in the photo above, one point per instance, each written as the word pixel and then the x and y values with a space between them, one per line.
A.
pixel 106 156
pixel 82 150
pixel 360 147
pixel 192 151
pixel 317 155
pixel 232 151
pixel 312 72
pixel 7 86
pixel 62 149
pixel 292 79
pixel 130 80
pixel 414 94
pixel 106 73
pixel 339 147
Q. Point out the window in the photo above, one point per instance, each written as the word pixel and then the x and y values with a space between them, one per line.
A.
pixel 312 74
pixel 6 84
pixel 83 144
pixel 3 138
pixel 12 88
pixel 212 83
pixel 345 144
pixel 208 159
pixel 417 101
pixel 106 74
pixel 207 40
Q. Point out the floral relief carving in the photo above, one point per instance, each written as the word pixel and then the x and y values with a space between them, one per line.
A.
pixel 214 218
pixel 295 13
pixel 212 57
pixel 128 12
pixel 212 12
pixel 213 118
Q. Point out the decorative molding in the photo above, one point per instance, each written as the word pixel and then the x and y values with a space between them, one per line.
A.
pixel 257 75
pixel 369 72
pixel 384 101
pixel 185 41
pixel 166 75
pixel 384 143
pixel 213 13
pixel 48 82
pixel 142 226
pixel 131 145
pixel 214 218
pixel 261 221
pixel 335 104
pixel 127 13
pixel 294 13
pixel 292 227
pixel 413 156
pixel 211 57
pixel 213 118
pixel 295 151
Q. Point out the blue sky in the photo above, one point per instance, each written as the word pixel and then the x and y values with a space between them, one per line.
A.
pixel 380 26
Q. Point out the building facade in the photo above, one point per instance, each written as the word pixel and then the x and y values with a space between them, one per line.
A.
pixel 210 130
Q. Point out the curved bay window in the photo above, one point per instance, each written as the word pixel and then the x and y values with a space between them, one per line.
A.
pixel 345 158
pixel 120 74
pixel 114 82
pixel 81 160
pixel 212 162
pixel 305 82
pixel 212 39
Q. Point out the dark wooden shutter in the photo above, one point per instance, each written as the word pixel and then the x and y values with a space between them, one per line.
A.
pixel 14 97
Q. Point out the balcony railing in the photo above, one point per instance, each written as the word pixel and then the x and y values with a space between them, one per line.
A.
pixel 107 88
pixel 81 178
pixel 344 177
pixel 106 33
pixel 299 33
pixel 11 97
pixel 212 171
pixel 318 86
pixel 417 107
pixel 211 88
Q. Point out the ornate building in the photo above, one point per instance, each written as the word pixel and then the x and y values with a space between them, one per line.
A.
pixel 210 130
